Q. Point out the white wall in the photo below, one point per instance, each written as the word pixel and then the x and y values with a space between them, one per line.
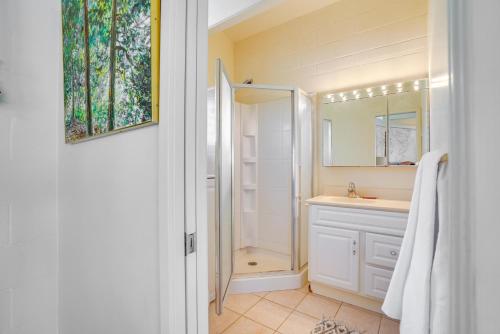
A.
pixel 222 11
pixel 29 72
pixel 104 193
pixel 274 175
pixel 481 81
pixel 109 230
pixel 439 75
pixel 109 234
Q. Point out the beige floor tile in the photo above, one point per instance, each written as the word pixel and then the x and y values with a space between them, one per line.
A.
pixel 318 306
pixel 304 289
pixel 288 298
pixel 363 320
pixel 388 326
pixel 241 303
pixel 218 323
pixel 268 313
pixel 247 326
pixel 261 294
pixel 298 323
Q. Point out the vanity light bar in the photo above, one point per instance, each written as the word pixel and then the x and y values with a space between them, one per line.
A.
pixel 386 89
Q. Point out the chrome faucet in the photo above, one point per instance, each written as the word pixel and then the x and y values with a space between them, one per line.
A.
pixel 351 191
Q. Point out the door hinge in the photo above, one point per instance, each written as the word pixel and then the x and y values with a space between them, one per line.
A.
pixel 190 243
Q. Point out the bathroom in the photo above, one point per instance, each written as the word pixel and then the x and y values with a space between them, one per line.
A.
pixel 107 228
pixel 351 82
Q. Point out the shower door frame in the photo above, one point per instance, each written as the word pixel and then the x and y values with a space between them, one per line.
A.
pixel 295 185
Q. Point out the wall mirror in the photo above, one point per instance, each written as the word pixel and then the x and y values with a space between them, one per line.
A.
pixel 386 125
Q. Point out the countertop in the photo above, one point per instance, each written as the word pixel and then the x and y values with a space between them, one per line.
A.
pixel 360 203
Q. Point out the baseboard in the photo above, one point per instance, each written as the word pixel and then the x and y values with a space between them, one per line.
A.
pixel 347 297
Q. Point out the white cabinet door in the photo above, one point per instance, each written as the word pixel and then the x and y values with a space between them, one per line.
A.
pixel 334 258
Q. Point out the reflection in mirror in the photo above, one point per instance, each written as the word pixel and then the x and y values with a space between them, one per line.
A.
pixel 327 142
pixel 376 126
pixel 380 141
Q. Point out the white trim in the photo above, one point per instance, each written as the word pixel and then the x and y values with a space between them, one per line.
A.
pixel 171 168
pixel 262 86
pixel 461 227
pixel 190 181
pixel 200 156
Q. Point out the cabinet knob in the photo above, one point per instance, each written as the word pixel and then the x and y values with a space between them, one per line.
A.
pixel 394 253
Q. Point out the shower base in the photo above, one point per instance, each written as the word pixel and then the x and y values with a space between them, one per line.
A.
pixel 251 260
pixel 270 281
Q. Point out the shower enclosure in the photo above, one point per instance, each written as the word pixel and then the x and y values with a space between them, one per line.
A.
pixel 260 156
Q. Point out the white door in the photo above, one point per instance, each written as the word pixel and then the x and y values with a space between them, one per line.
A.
pixel 334 258
pixel 223 185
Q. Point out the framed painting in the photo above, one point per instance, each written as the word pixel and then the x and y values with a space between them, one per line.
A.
pixel 111 66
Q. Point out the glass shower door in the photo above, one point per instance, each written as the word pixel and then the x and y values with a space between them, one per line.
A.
pixel 224 184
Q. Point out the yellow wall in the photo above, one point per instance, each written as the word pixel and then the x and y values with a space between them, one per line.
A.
pixel 350 43
pixel 220 46
pixel 337 48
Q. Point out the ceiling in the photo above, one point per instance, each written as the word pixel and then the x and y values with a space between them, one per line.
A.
pixel 263 15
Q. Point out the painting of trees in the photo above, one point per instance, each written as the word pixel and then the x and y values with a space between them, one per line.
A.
pixel 110 56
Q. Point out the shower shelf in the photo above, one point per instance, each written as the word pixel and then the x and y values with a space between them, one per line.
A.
pixel 249 160
pixel 249 187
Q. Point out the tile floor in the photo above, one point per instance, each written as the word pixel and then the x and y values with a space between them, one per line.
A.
pixel 291 312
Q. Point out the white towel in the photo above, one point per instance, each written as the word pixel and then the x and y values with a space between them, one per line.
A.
pixel 440 275
pixel 408 296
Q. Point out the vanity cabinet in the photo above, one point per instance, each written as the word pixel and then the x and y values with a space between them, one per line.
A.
pixel 354 246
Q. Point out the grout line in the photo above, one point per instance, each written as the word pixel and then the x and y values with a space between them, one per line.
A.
pixel 274 330
pixel 286 318
pixel 338 310
pixel 307 315
pixel 232 323
pixel 379 325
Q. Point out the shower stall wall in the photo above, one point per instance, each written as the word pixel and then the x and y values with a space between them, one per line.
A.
pixel 263 166
pixel 260 158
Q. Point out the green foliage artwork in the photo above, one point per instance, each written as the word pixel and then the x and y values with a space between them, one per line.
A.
pixel 111 63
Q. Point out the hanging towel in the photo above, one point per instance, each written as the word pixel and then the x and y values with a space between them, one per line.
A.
pixel 408 296
pixel 440 274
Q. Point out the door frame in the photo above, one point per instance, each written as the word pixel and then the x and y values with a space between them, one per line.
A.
pixel 183 280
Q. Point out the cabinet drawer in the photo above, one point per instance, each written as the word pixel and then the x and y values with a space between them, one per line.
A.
pixel 376 282
pixel 382 250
